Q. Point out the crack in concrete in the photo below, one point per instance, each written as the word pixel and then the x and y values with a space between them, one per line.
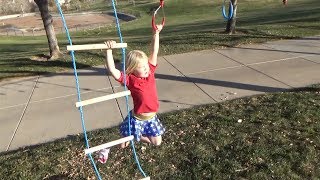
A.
pixel 22 115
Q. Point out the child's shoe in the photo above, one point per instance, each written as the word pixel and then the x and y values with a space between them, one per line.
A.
pixel 103 155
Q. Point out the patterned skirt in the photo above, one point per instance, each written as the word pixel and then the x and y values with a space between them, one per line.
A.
pixel 151 127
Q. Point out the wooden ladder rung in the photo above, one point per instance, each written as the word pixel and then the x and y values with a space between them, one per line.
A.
pixel 103 98
pixel 94 46
pixel 146 178
pixel 109 144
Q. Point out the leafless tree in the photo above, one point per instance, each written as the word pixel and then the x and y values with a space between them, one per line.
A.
pixel 48 26
pixel 231 25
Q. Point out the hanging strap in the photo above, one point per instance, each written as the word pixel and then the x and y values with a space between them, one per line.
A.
pixel 154 26
pixel 230 10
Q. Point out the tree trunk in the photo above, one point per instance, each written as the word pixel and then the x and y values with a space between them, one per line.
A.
pixel 48 26
pixel 231 25
pixel 284 2
pixel 133 2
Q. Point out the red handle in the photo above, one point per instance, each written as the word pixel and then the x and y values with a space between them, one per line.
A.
pixel 161 3
pixel 154 26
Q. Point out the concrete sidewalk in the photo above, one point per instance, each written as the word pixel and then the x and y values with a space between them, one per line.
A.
pixel 40 109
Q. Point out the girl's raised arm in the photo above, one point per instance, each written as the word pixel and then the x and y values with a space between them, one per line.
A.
pixel 155 46
pixel 110 61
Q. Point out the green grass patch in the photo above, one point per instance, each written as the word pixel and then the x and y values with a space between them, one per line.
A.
pixel 190 26
pixel 278 138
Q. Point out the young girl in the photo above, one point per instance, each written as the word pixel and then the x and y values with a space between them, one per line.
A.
pixel 140 80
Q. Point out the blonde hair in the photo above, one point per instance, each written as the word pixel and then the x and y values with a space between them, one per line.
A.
pixel 133 59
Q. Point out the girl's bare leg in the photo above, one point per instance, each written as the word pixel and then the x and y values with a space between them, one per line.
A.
pixel 145 139
pixel 156 140
pixel 151 140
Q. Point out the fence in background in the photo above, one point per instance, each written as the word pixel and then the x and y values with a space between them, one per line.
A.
pixel 41 31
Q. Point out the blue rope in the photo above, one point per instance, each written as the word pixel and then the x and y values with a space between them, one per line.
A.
pixel 78 88
pixel 125 88
pixel 230 11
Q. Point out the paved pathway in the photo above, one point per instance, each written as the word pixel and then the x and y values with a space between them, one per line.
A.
pixel 40 109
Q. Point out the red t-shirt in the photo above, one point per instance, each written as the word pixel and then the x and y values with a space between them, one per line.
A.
pixel 143 91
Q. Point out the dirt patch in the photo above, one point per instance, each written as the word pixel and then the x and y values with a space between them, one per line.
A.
pixel 32 25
